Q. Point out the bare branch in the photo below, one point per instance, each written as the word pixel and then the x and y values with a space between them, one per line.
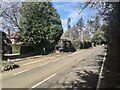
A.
pixel 84 7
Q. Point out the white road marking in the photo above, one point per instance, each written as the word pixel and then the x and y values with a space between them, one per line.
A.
pixel 100 75
pixel 56 60
pixel 105 54
pixel 31 63
pixel 89 53
pixel 21 72
pixel 79 60
pixel 58 55
pixel 43 65
pixel 42 81
pixel 72 54
pixel 36 61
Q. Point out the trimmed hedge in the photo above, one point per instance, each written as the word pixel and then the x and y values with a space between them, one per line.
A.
pixel 25 49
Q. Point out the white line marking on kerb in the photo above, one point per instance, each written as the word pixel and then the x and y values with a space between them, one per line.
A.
pixel 43 65
pixel 42 81
pixel 21 72
pixel 100 75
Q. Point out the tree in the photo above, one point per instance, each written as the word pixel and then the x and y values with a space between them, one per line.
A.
pixel 86 35
pixel 10 15
pixel 110 12
pixel 97 23
pixel 80 25
pixel 94 29
pixel 75 33
pixel 68 24
pixel 113 40
pixel 90 25
pixel 72 34
pixel 41 23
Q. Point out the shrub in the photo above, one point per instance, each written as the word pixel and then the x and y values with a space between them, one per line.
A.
pixel 77 44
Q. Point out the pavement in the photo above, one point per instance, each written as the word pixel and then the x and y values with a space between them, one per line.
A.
pixel 76 70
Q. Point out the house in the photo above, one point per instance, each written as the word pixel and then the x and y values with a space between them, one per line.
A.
pixel 15 38
pixel 5 46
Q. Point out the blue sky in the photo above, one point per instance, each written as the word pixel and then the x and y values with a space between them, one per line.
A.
pixel 71 10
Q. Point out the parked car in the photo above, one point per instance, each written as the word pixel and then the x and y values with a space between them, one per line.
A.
pixel 65 45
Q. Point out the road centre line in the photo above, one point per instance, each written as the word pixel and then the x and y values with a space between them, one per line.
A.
pixel 21 72
pixel 42 81
pixel 36 61
pixel 89 53
pixel 56 60
pixel 42 65
pixel 73 53
pixel 79 60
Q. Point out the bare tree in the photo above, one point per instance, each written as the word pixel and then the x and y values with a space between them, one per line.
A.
pixel 10 15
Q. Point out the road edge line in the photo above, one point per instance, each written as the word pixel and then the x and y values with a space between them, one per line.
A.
pixel 100 74
pixel 42 65
pixel 21 72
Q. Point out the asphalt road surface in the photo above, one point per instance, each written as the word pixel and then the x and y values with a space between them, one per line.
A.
pixel 74 70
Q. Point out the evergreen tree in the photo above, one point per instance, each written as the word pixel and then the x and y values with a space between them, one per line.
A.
pixel 80 25
pixel 41 23
pixel 68 24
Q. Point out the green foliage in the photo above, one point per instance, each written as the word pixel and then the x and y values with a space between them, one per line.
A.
pixel 72 33
pixel 15 48
pixel 68 23
pixel 97 23
pixel 77 44
pixel 96 30
pixel 80 23
pixel 41 23
pixel 86 35
pixel 99 35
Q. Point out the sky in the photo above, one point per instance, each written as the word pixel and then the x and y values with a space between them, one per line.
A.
pixel 71 10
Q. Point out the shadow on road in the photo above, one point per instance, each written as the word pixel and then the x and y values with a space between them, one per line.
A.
pixel 86 79
pixel 100 59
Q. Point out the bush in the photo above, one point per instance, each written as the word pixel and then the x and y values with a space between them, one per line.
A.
pixel 87 45
pixel 77 44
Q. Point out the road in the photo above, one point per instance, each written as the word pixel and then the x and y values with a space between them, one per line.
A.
pixel 79 69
